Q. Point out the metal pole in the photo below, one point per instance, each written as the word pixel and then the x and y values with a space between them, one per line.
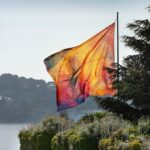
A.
pixel 118 52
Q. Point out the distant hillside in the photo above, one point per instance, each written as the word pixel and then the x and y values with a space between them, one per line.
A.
pixel 28 100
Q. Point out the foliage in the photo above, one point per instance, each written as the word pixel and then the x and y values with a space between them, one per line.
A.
pixel 88 118
pixel 120 108
pixel 108 132
pixel 132 99
pixel 135 137
pixel 38 137
pixel 144 126
pixel 78 138
pixel 105 143
pixel 135 145
pixel 122 139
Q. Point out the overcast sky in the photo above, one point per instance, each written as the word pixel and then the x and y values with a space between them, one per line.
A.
pixel 30 30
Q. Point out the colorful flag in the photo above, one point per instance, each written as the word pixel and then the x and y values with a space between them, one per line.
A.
pixel 80 72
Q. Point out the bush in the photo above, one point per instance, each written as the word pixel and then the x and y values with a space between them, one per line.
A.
pixel 112 123
pixel 88 118
pixel 38 137
pixel 122 146
pixel 144 126
pixel 135 145
pixel 105 132
pixel 78 138
pixel 105 144
pixel 123 139
pixel 146 144
pixel 85 135
pixel 120 135
pixel 108 144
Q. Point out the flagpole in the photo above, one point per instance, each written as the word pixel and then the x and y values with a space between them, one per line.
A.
pixel 118 53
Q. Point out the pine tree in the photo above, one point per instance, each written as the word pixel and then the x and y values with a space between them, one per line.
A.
pixel 134 75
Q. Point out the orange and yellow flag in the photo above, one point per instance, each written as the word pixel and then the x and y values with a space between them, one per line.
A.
pixel 80 72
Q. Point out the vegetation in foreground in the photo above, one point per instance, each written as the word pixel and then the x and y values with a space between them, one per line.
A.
pixel 99 131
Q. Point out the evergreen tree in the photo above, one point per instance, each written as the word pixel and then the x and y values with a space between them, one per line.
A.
pixel 134 75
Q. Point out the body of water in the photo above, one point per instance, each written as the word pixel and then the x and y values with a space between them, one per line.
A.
pixel 9 136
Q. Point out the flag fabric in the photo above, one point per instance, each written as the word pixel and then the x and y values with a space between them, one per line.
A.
pixel 80 72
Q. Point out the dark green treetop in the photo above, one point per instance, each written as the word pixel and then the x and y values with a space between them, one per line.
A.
pixel 134 75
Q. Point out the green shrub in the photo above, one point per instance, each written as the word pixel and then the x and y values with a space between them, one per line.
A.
pixel 135 145
pixel 112 123
pixel 78 138
pixel 121 134
pixel 62 140
pixel 38 137
pixel 105 132
pixel 85 136
pixel 122 146
pixel 123 139
pixel 108 144
pixel 146 144
pixel 88 118
pixel 133 130
pixel 104 144
pixel 144 126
